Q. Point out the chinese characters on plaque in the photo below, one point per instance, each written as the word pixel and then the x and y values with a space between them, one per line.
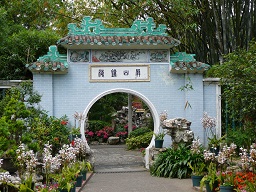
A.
pixel 119 73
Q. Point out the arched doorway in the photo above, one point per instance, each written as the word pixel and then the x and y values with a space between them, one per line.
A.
pixel 122 90
pixel 129 91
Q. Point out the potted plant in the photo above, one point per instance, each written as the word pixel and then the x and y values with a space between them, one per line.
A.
pixel 227 181
pixel 209 125
pixel 210 181
pixel 198 172
pixel 66 178
pixel 85 167
pixel 75 132
pixel 214 143
pixel 159 139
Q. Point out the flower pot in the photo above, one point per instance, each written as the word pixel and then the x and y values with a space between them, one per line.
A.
pixel 79 180
pixel 215 150
pixel 208 188
pixel 159 143
pixel 196 180
pixel 62 190
pixel 84 174
pixel 9 165
pixel 76 135
pixel 73 189
pixel 226 188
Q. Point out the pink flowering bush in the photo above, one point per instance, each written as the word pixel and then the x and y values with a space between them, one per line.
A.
pixel 122 134
pixel 90 135
pixel 105 133
pixel 133 127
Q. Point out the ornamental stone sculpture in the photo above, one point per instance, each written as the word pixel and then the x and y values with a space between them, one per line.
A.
pixel 179 130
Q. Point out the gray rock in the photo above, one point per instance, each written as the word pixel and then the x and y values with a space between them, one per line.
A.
pixel 113 140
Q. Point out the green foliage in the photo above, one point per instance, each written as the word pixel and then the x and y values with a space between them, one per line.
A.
pixel 238 78
pixel 12 125
pixel 106 106
pixel 139 131
pixel 211 176
pixel 243 136
pixel 198 168
pixel 25 47
pixel 67 175
pixel 159 136
pixel 96 125
pixel 18 44
pixel 85 166
pixel 173 162
pixel 50 129
pixel 27 186
pixel 138 142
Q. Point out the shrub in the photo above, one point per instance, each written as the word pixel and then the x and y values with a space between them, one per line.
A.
pixel 173 163
pixel 139 141
pixel 96 125
pixel 105 133
pixel 242 137
pixel 139 131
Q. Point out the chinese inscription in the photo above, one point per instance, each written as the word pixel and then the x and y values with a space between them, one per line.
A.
pixel 119 73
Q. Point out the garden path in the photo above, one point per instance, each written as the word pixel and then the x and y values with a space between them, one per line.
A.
pixel 118 169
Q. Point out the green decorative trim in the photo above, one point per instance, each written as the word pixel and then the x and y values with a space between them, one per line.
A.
pixel 52 62
pixel 182 62
pixel 94 28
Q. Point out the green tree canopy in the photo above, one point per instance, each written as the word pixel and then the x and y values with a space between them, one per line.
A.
pixel 238 77
pixel 26 34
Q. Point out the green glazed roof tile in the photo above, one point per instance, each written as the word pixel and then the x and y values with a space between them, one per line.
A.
pixel 182 62
pixel 96 28
pixel 52 62
pixel 140 33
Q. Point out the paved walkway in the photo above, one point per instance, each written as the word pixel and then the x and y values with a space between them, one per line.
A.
pixel 120 170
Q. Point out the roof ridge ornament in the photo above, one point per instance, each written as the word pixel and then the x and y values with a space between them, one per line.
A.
pixel 52 62
pixel 138 28
pixel 181 62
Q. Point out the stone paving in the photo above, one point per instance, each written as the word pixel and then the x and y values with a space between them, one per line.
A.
pixel 116 158
pixel 118 169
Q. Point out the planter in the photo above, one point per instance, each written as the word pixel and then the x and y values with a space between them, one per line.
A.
pixel 73 189
pixel 62 190
pixel 208 188
pixel 84 174
pixel 79 180
pixel 76 135
pixel 226 188
pixel 159 143
pixel 215 150
pixel 9 165
pixel 196 180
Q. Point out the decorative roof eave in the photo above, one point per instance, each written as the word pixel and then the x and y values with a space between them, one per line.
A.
pixel 117 41
pixel 182 62
pixel 93 34
pixel 51 63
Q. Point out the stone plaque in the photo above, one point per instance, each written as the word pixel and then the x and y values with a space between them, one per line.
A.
pixel 110 73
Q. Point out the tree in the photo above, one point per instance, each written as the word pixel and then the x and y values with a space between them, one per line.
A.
pixel 21 48
pixel 28 31
pixel 238 76
pixel 208 28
